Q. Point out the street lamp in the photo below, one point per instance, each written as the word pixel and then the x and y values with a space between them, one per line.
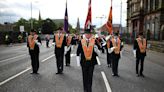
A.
pixel 31 13
pixel 101 17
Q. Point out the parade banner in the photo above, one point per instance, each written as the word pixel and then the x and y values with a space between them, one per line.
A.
pixel 66 20
pixel 109 21
pixel 88 21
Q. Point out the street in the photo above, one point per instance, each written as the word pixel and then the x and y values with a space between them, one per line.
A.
pixel 15 69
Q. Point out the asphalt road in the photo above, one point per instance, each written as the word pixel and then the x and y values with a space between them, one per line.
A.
pixel 15 73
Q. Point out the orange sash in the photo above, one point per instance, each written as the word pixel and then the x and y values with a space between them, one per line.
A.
pixel 59 41
pixel 88 50
pixel 117 49
pixel 31 41
pixel 142 46
pixel 69 39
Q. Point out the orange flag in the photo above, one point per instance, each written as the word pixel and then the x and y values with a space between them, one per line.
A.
pixel 109 22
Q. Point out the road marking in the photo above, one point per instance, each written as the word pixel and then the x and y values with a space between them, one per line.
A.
pixel 48 58
pixel 108 88
pixel 18 74
pixel 98 61
pixel 12 58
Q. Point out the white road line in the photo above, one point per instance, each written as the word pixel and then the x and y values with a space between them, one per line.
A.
pixel 12 58
pixel 98 61
pixel 48 58
pixel 7 80
pixel 18 74
pixel 108 88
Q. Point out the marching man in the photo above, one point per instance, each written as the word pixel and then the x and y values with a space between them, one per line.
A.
pixel 115 49
pixel 33 44
pixel 139 52
pixel 59 42
pixel 86 55
pixel 68 49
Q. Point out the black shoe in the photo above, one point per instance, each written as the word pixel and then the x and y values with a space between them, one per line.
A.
pixel 32 73
pixel 138 75
pixel 117 75
pixel 57 73
pixel 142 75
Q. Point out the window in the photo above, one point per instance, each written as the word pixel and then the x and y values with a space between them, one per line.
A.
pixel 160 3
pixel 153 4
pixel 148 9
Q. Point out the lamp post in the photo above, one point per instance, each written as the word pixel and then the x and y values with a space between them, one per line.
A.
pixel 101 17
pixel 31 17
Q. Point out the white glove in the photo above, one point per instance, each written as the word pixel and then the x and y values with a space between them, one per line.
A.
pixel 38 43
pixel 96 50
pixel 107 37
pixel 68 48
pixel 122 43
pixel 104 44
pixel 65 52
pixel 110 50
pixel 53 44
pixel 78 60
pixel 134 53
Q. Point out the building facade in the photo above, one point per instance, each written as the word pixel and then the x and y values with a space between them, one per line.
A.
pixel 146 16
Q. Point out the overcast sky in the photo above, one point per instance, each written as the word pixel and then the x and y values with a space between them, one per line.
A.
pixel 12 10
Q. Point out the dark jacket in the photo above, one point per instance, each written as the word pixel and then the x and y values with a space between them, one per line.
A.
pixel 60 51
pixel 83 61
pixel 113 53
pixel 36 48
pixel 136 47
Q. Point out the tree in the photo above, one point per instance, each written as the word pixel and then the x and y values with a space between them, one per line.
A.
pixel 48 26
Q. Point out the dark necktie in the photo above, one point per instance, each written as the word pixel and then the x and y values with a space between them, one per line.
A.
pixel 87 42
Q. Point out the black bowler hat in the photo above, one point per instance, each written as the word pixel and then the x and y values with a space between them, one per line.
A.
pixel 88 31
pixel 33 30
pixel 116 33
pixel 141 33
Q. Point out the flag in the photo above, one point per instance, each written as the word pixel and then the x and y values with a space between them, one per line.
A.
pixel 88 21
pixel 109 21
pixel 66 20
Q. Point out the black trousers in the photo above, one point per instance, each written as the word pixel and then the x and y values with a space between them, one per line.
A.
pixel 47 43
pixel 109 59
pixel 34 61
pixel 67 58
pixel 87 72
pixel 141 61
pixel 59 63
pixel 115 62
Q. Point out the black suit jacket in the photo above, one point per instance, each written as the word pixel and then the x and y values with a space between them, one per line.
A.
pixel 60 51
pixel 83 61
pixel 113 54
pixel 36 48
pixel 136 47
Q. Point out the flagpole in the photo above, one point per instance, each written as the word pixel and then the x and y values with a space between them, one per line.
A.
pixel 121 18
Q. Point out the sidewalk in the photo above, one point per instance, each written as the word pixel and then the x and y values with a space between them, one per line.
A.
pixel 152 56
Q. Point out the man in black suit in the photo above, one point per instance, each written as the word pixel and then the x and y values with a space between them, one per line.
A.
pixel 33 44
pixel 60 43
pixel 69 41
pixel 115 50
pixel 88 50
pixel 140 45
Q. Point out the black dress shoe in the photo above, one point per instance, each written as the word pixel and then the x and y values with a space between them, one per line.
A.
pixel 57 73
pixel 138 75
pixel 142 75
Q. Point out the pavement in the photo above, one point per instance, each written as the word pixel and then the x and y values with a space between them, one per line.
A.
pixel 15 73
